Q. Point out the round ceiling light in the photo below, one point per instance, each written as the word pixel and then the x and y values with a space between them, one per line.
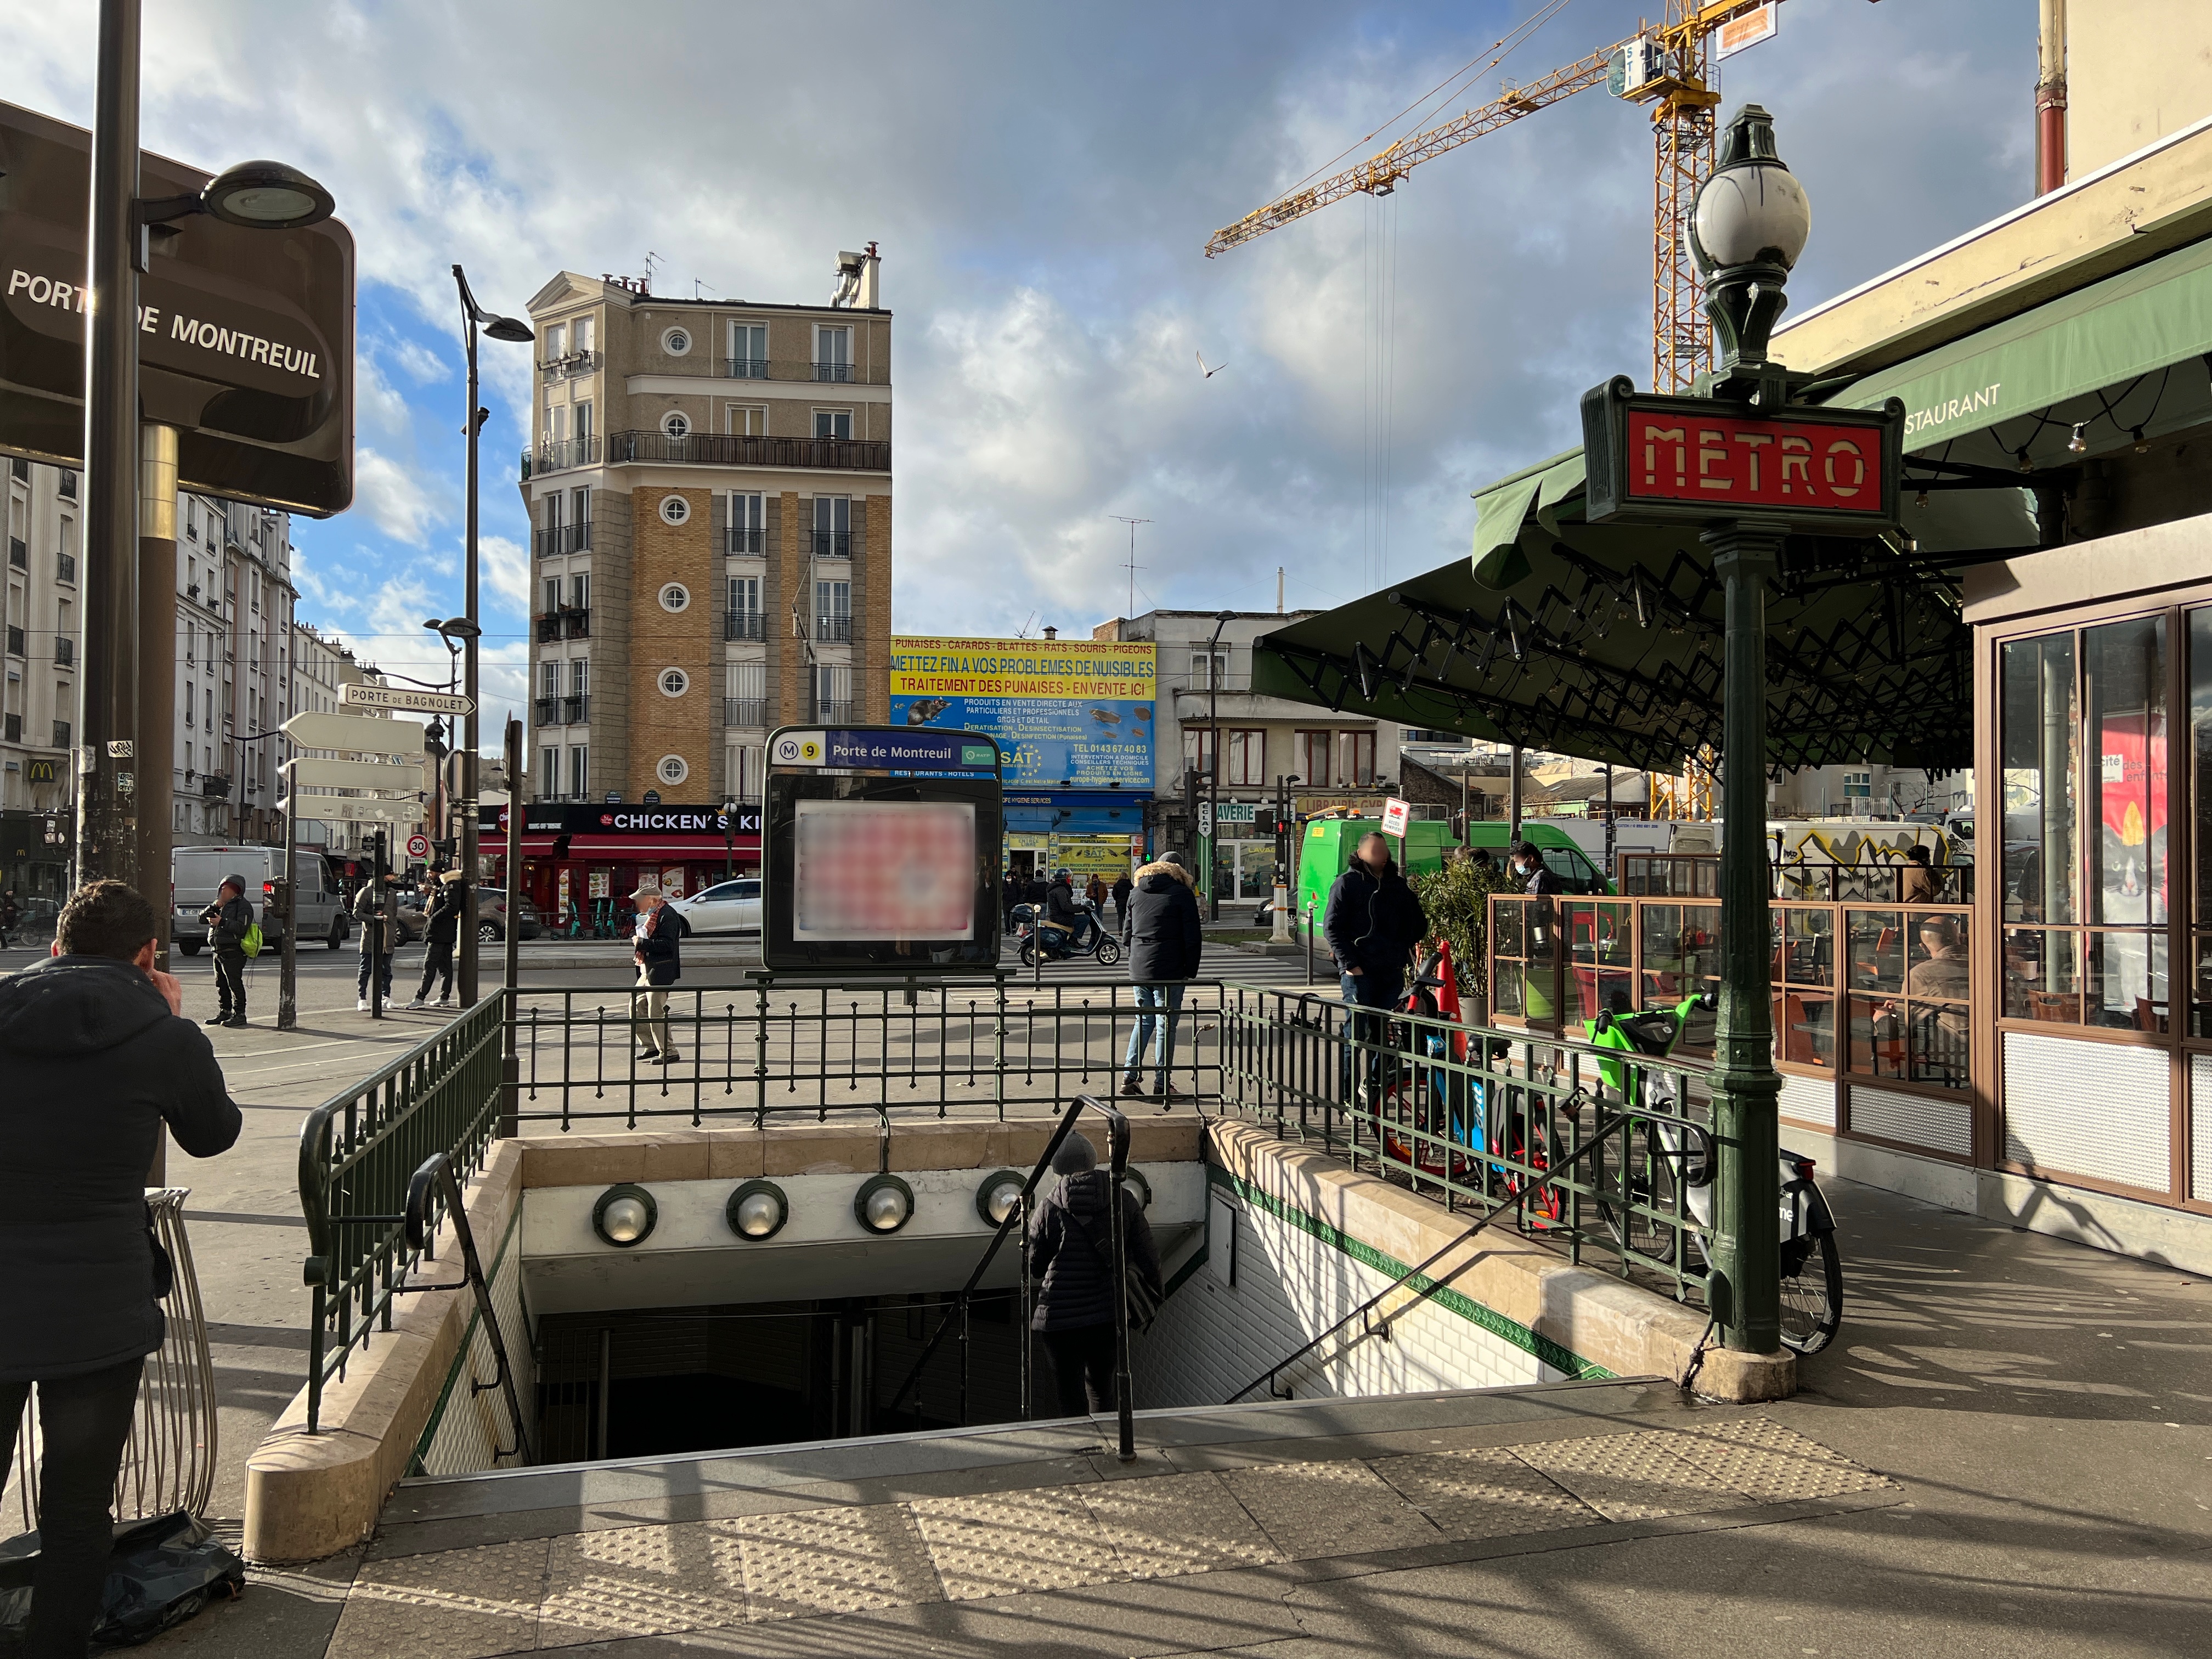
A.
pixel 625 1215
pixel 1133 1178
pixel 757 1210
pixel 884 1204
pixel 1000 1195
pixel 267 195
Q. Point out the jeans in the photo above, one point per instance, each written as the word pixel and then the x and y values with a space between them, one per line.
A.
pixel 85 1420
pixel 649 1015
pixel 383 959
pixel 437 959
pixel 1151 997
pixel 1376 988
pixel 1083 1367
pixel 230 982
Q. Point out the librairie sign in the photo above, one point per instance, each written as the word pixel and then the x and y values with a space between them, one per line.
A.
pixel 244 337
pixel 1650 457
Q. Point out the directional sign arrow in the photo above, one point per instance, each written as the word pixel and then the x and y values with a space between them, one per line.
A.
pixel 355 775
pixel 359 695
pixel 351 809
pixel 360 734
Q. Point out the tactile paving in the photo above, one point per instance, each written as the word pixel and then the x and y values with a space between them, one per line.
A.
pixel 804 1562
pixel 1313 1510
pixel 638 1581
pixel 1771 1464
pixel 1008 1542
pixel 451 1604
pixel 1630 1477
pixel 1165 1525
pixel 1484 1493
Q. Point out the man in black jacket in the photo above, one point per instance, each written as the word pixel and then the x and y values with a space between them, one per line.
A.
pixel 1123 888
pixel 96 1060
pixel 376 908
pixel 227 921
pixel 1161 931
pixel 1372 924
pixel 1070 1246
pixel 441 928
pixel 656 950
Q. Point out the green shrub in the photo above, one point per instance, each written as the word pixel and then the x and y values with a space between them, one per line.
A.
pixel 1456 899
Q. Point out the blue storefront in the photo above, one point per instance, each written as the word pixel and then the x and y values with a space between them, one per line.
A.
pixel 1080 830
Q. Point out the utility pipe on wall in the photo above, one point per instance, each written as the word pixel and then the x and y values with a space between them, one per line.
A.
pixel 2050 97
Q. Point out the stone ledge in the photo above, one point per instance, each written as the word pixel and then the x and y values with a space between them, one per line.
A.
pixel 1628 1330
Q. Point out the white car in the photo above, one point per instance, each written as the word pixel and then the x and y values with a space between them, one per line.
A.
pixel 727 907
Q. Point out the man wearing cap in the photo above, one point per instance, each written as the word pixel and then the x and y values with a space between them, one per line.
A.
pixel 227 920
pixel 660 932
pixel 441 924
pixel 376 908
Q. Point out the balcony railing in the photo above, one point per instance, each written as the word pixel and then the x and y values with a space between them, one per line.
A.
pixel 64 651
pixel 559 456
pixel 732 449
pixel 837 629
pixel 65 568
pixel 832 543
pixel 747 543
pixel 745 368
pixel 545 711
pixel 16 641
pixel 574 711
pixel 549 628
pixel 840 373
pixel 19 553
pixel 60 734
pixel 69 485
pixel 575 624
pixel 576 362
pixel 11 726
pixel 214 787
pixel 744 625
pixel 564 539
pixel 744 711
pixel 832 711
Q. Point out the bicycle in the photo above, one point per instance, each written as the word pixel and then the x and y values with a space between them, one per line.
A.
pixel 1664 1166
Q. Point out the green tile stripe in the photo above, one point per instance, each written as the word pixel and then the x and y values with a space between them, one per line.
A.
pixel 1542 1347
pixel 460 1360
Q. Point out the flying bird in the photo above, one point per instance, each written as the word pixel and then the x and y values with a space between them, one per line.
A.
pixel 1208 374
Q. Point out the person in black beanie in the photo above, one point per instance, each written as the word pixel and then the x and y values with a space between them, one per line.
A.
pixel 1071 1248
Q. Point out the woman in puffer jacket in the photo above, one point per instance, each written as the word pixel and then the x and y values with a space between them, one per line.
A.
pixel 1071 1248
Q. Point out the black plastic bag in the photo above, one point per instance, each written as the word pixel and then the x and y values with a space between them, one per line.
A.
pixel 162 1570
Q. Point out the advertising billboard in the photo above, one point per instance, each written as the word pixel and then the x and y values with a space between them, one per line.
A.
pixel 1076 712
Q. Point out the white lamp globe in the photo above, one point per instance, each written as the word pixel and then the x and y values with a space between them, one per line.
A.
pixel 758 1214
pixel 886 1209
pixel 1749 213
pixel 1004 1197
pixel 624 1220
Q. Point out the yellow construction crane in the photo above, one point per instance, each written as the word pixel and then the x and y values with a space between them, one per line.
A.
pixel 1669 67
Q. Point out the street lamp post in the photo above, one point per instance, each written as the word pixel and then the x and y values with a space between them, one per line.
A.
pixel 729 849
pixel 499 328
pixel 451 630
pixel 1213 769
pixel 1286 852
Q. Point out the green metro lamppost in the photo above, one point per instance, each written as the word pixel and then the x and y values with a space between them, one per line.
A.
pixel 1748 466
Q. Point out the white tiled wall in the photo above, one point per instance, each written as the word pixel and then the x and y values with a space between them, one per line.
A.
pixel 1212 1337
pixel 471 1427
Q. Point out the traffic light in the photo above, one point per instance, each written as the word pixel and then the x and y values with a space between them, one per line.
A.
pixel 276 899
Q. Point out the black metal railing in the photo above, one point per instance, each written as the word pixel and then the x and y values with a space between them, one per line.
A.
pixel 744 625
pixel 433 1189
pixel 832 543
pixel 841 374
pixel 19 553
pixel 833 629
pixel 215 786
pixel 359 1153
pixel 16 646
pixel 745 368
pixel 64 651
pixel 734 449
pixel 746 543
pixel 1476 1117
pixel 564 539
pixel 835 710
pixel 576 622
pixel 65 568
pixel 60 734
pixel 547 626
pixel 575 710
pixel 12 727
pixel 558 457
pixel 744 711
pixel 576 362
pixel 68 485
pixel 546 711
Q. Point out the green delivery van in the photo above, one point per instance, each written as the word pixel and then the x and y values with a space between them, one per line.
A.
pixel 1325 848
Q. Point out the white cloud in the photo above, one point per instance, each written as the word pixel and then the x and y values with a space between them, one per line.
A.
pixel 504 567
pixel 391 495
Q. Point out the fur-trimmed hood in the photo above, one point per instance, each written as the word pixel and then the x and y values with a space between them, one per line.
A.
pixel 1161 867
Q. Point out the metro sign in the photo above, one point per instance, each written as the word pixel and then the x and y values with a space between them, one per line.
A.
pixel 1823 472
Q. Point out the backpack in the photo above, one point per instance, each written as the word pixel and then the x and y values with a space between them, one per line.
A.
pixel 250 941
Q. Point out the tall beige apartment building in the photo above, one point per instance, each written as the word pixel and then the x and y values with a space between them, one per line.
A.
pixel 709 490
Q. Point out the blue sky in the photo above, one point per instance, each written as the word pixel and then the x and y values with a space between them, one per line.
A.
pixel 1042 180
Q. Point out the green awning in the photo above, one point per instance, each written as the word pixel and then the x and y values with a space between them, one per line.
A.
pixel 2117 356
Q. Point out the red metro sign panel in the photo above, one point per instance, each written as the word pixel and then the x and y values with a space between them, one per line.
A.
pixel 1658 458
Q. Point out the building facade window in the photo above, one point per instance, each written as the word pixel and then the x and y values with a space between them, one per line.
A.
pixel 748 695
pixel 1359 759
pixel 548 774
pixel 675 341
pixel 746 420
pixel 1209 670
pixel 833 610
pixel 748 351
pixel 833 353
pixel 1199 746
pixel 833 526
pixel 833 423
pixel 833 691
pixel 676 424
pixel 579 772
pixel 1246 763
pixel 1315 755
pixel 746 511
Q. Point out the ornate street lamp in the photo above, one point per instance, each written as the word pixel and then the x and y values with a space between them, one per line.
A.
pixel 1747 227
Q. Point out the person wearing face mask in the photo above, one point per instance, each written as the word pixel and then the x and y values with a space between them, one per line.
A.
pixel 1536 877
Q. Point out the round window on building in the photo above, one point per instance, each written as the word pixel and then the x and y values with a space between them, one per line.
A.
pixel 676 424
pixel 674 509
pixel 677 341
pixel 672 769
pixel 675 597
pixel 674 681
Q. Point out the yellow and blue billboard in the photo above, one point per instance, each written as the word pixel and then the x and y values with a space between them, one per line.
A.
pixel 1078 713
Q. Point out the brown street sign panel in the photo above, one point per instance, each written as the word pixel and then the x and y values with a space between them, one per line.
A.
pixel 244 337
pixel 1652 459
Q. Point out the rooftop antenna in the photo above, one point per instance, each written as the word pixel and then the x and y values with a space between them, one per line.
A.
pixel 1278 590
pixel 696 285
pixel 650 256
pixel 1130 564
pixel 1023 632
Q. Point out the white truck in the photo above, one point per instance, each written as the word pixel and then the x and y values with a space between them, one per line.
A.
pixel 195 873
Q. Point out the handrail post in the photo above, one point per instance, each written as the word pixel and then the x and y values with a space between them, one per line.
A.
pixel 437 1170
pixel 1118 1164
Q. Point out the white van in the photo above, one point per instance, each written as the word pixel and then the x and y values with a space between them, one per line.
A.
pixel 197 872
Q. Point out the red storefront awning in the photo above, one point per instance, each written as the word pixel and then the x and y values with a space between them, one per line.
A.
pixel 618 849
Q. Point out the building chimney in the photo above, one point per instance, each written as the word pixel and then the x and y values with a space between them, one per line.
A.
pixel 1052 633
pixel 870 263
pixel 2051 98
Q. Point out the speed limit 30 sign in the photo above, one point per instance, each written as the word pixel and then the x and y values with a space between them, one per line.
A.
pixel 418 846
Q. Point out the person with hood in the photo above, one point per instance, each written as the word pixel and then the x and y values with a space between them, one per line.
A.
pixel 1372 923
pixel 1161 931
pixel 1070 1246
pixel 441 928
pixel 657 950
pixel 97 1060
pixel 376 908
pixel 1123 888
pixel 227 921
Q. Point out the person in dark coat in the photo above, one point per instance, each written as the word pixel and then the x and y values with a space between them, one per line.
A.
pixel 1071 1248
pixel 1372 923
pixel 1037 890
pixel 656 949
pixel 1123 888
pixel 227 921
pixel 1161 931
pixel 97 1060
pixel 1011 896
pixel 376 908
pixel 11 913
pixel 1537 878
pixel 441 929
